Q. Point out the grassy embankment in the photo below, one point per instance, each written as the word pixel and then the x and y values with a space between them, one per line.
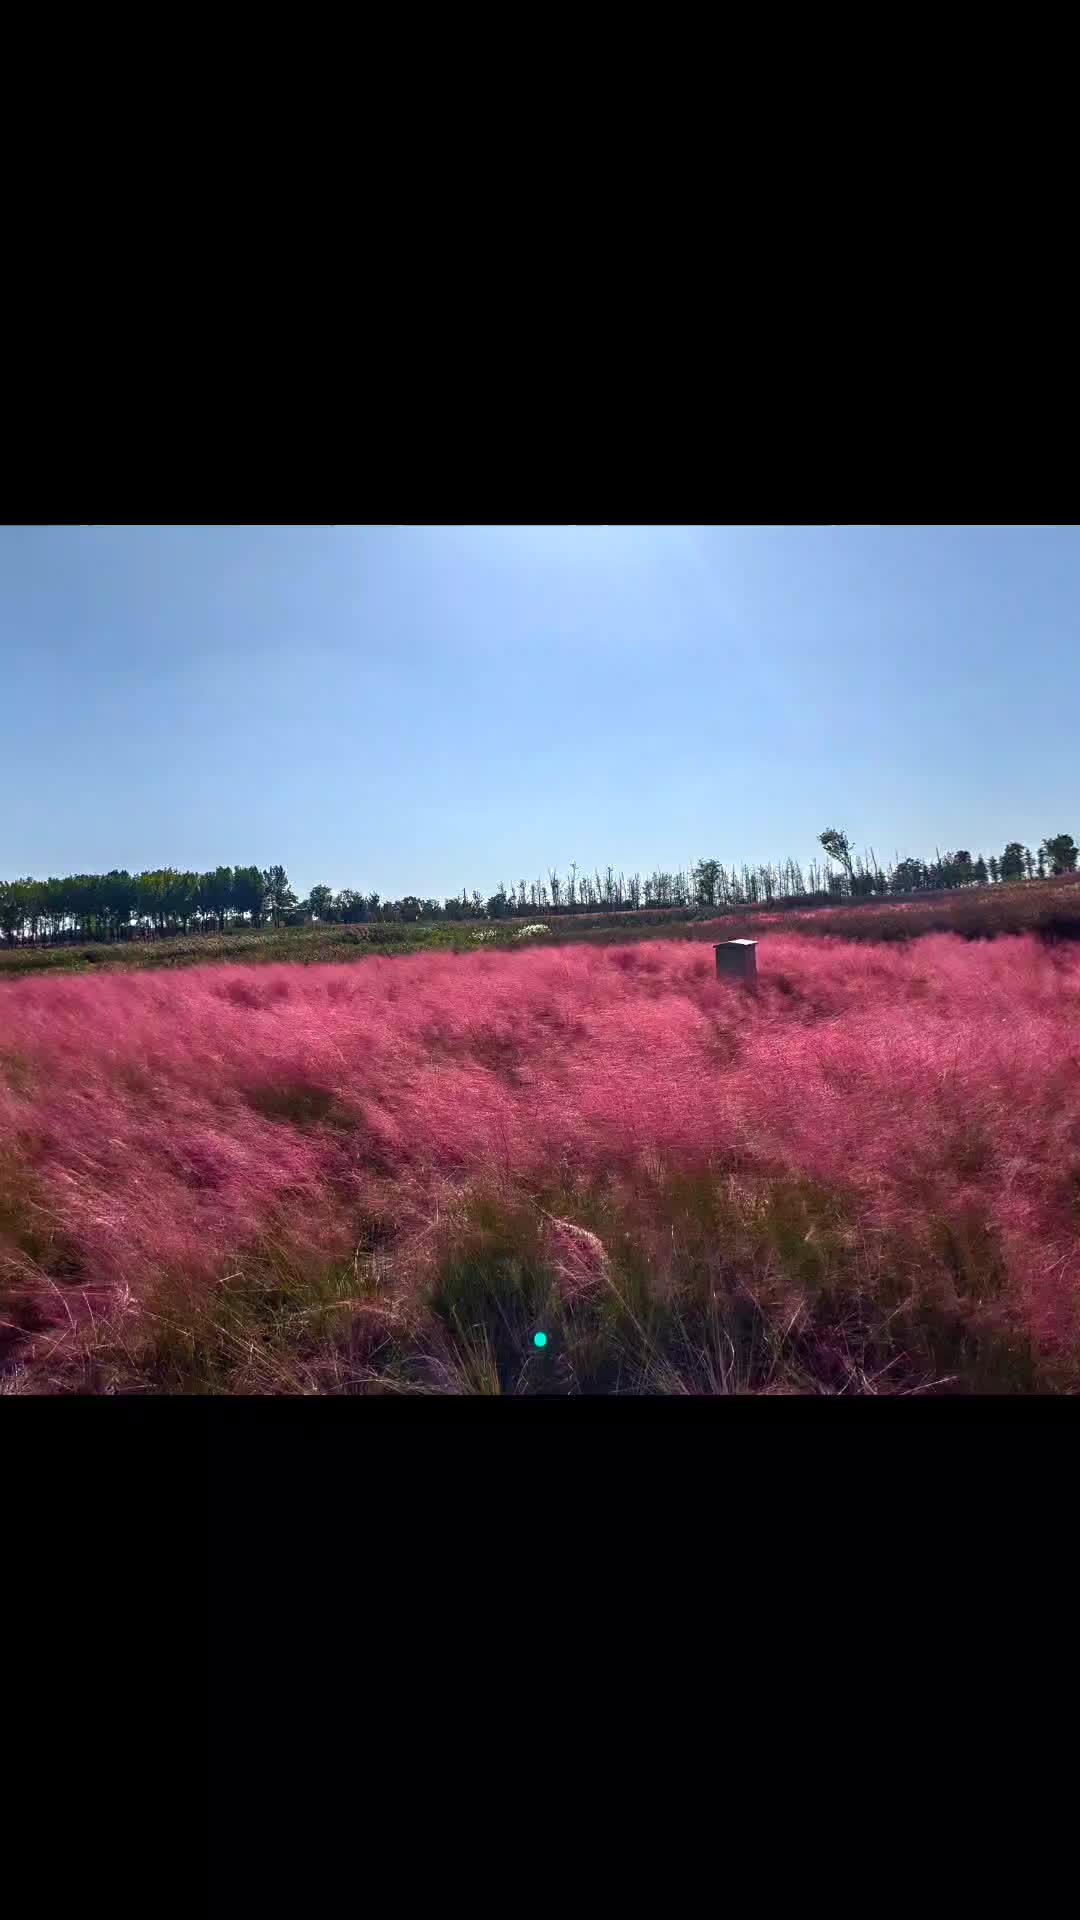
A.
pixel 1050 908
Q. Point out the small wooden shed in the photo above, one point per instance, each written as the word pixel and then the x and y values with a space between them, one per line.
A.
pixel 736 960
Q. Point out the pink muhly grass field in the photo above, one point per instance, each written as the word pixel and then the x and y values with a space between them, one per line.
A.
pixel 154 1124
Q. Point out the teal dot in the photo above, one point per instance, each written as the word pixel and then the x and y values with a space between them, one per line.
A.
pixel 539 1339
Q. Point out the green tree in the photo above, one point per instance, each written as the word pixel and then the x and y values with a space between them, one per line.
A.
pixel 349 907
pixel 1011 864
pixel 11 909
pixel 56 905
pixel 35 901
pixel 216 894
pixel 909 876
pixel 181 897
pixel 1061 851
pixel 149 894
pixel 120 898
pixel 279 895
pixel 861 878
pixel 838 847
pixel 706 878
pixel 979 871
pixel 320 902
pixel 249 893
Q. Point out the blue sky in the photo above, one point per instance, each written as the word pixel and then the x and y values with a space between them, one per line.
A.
pixel 427 708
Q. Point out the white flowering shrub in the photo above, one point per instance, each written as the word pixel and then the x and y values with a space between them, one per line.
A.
pixel 524 932
pixel 487 934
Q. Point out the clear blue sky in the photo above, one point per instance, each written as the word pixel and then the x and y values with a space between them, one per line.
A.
pixel 427 708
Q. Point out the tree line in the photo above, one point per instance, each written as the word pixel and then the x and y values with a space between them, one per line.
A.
pixel 121 906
